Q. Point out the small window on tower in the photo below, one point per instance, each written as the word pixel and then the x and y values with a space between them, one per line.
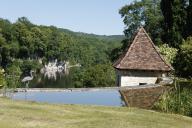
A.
pixel 142 83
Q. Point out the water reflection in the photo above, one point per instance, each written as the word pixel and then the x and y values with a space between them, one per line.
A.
pixel 52 68
pixel 55 75
pixel 61 81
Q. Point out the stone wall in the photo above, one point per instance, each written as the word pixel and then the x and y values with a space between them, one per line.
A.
pixel 142 97
pixel 135 77
pixel 136 81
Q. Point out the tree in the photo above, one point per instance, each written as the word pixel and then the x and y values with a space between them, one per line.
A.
pixel 183 62
pixel 13 76
pixel 101 75
pixel 133 17
pixel 54 43
pixel 14 49
pixel 6 30
pixel 153 20
pixel 2 39
pixel 120 50
pixel 145 13
pixel 25 21
pixel 38 42
pixel 2 43
pixel 24 52
pixel 168 52
pixel 189 20
pixel 22 34
pixel 5 55
pixel 27 65
pixel 175 20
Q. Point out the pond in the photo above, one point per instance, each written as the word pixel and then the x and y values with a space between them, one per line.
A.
pixel 97 97
pixel 63 80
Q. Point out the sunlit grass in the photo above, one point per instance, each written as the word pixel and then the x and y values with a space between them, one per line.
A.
pixel 20 114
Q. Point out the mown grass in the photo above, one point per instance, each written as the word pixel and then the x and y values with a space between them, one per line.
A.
pixel 20 114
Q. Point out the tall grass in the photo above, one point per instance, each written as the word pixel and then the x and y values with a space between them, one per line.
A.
pixel 177 100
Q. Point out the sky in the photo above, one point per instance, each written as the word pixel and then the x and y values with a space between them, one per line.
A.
pixel 90 16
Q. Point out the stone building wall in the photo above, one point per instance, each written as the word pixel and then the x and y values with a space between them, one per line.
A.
pixel 136 78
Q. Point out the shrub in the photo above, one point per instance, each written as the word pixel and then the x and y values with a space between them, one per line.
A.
pixel 13 76
pixel 101 75
pixel 183 61
pixel 29 65
pixel 169 53
pixel 178 100
pixel 2 78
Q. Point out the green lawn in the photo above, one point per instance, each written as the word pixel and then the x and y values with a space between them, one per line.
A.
pixel 19 114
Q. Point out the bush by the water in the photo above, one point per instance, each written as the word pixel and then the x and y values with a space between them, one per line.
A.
pixel 13 73
pixel 177 100
pixel 2 78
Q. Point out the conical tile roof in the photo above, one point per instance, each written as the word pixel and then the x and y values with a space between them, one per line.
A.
pixel 142 55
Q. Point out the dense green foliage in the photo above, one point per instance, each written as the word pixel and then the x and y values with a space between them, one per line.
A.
pixel 23 45
pixel 169 53
pixel 27 40
pixel 145 13
pixel 2 78
pixel 100 75
pixel 13 76
pixel 177 21
pixel 178 100
pixel 183 61
pixel 115 53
